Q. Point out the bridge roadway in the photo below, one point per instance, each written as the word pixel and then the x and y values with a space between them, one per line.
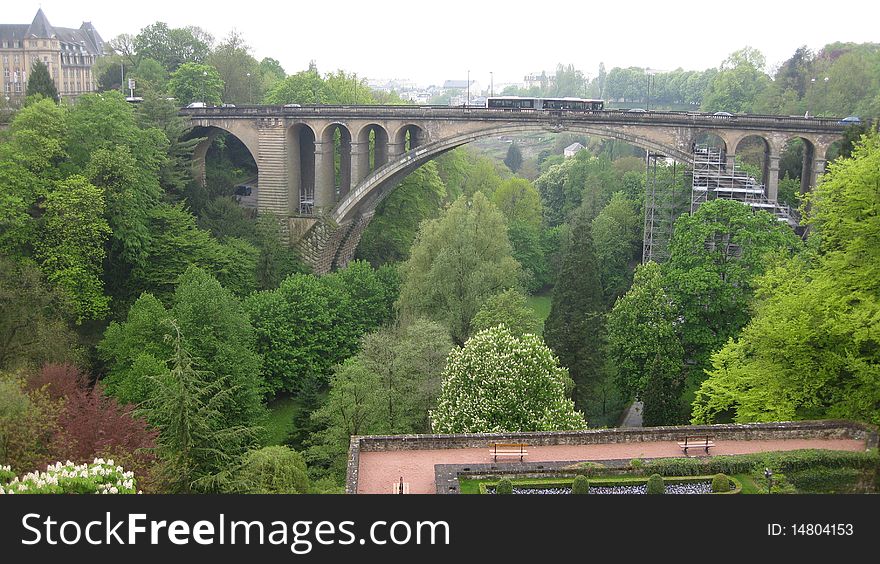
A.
pixel 328 206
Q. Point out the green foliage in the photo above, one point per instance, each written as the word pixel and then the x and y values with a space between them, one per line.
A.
pixel 303 328
pixel 457 262
pixel 213 328
pixel 40 83
pixel 574 328
pixel 519 201
pixel 238 69
pixel 32 318
pixel 715 256
pixel 810 350
pixel 501 383
pixel 71 249
pixel 644 346
pixel 527 248
pixel 390 234
pixel 27 424
pixel 720 483
pixel 308 87
pixel 271 470
pixel 617 238
pixel 513 159
pixel 194 82
pixel 387 388
pixel 198 439
pixel 656 485
pixel 504 487
pixel 509 308
pixel 172 47
pixel 99 477
pixel 580 485
pixel 740 81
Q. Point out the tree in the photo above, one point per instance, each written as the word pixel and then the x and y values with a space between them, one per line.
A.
pixel 519 201
pixel 715 255
pixel 238 69
pixel 387 388
pixel 197 443
pixel 809 352
pixel 196 82
pixel 220 342
pixel 308 87
pixel 40 83
pixel 514 158
pixel 172 47
pixel 303 328
pixel 28 421
pixel 271 470
pixel 509 308
pixel 32 318
pixel 574 327
pixel 617 236
pixel 644 347
pixel 500 383
pixel 738 84
pixel 71 248
pixel 456 263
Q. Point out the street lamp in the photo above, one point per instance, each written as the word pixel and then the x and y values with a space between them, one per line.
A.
pixel 491 84
pixel 204 87
pixel 769 475
pixel 469 88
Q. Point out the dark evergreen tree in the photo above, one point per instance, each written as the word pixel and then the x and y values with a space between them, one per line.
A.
pixel 514 158
pixel 41 83
pixel 574 328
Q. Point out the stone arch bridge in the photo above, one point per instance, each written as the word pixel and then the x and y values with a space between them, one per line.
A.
pixel 326 168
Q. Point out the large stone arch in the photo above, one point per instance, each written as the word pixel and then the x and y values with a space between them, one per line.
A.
pixel 375 186
pixel 209 131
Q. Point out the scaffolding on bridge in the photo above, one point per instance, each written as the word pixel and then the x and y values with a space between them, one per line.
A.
pixel 711 178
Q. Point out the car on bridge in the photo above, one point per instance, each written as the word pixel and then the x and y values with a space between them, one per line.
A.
pixel 196 105
pixel 637 110
pixel 723 114
pixel 850 120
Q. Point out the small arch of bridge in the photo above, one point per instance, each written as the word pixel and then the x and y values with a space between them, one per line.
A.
pixel 210 132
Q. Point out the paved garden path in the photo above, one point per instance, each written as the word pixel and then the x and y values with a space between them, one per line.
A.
pixel 380 471
pixel 633 415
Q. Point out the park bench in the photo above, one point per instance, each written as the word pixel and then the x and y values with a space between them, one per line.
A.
pixel 701 441
pixel 508 449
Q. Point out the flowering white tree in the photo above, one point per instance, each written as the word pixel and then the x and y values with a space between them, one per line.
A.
pixel 499 383
pixel 99 477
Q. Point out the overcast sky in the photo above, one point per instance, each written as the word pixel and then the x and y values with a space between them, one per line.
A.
pixel 508 38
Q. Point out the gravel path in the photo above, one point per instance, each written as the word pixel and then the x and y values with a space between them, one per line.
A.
pixel 379 471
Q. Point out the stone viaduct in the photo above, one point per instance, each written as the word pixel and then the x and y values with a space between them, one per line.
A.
pixel 324 169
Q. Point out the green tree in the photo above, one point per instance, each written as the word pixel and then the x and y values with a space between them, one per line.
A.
pixel 213 328
pixel 172 47
pixel 514 158
pixel 617 237
pixel 501 383
pixel 238 69
pixel 644 347
pixel 40 83
pixel 574 327
pixel 715 254
pixel 519 201
pixel 71 246
pixel 32 318
pixel 509 308
pixel 738 84
pixel 308 87
pixel 196 443
pixel 303 328
pixel 270 470
pixel 809 352
pixel 456 263
pixel 196 82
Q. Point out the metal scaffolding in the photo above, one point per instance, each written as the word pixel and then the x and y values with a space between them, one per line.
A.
pixel 663 205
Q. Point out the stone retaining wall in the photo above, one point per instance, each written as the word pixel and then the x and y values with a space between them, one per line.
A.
pixel 821 429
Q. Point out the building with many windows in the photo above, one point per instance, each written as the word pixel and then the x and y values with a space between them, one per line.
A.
pixel 69 54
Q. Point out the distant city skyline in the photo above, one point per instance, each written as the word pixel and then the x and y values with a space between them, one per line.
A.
pixel 384 41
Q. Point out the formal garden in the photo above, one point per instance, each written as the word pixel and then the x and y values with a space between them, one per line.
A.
pixel 794 472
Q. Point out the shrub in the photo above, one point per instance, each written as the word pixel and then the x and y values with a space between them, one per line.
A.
pixel 720 483
pixel 580 485
pixel 99 477
pixel 656 485
pixel 637 463
pixel 6 474
pixel 504 487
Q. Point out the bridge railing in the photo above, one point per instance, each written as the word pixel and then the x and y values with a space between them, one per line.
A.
pixel 491 114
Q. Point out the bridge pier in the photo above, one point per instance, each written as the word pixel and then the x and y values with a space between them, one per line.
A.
pixel 325 191
pixel 771 177
pixel 360 162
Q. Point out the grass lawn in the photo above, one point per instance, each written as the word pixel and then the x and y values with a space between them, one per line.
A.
pixel 280 425
pixel 748 484
pixel 540 305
